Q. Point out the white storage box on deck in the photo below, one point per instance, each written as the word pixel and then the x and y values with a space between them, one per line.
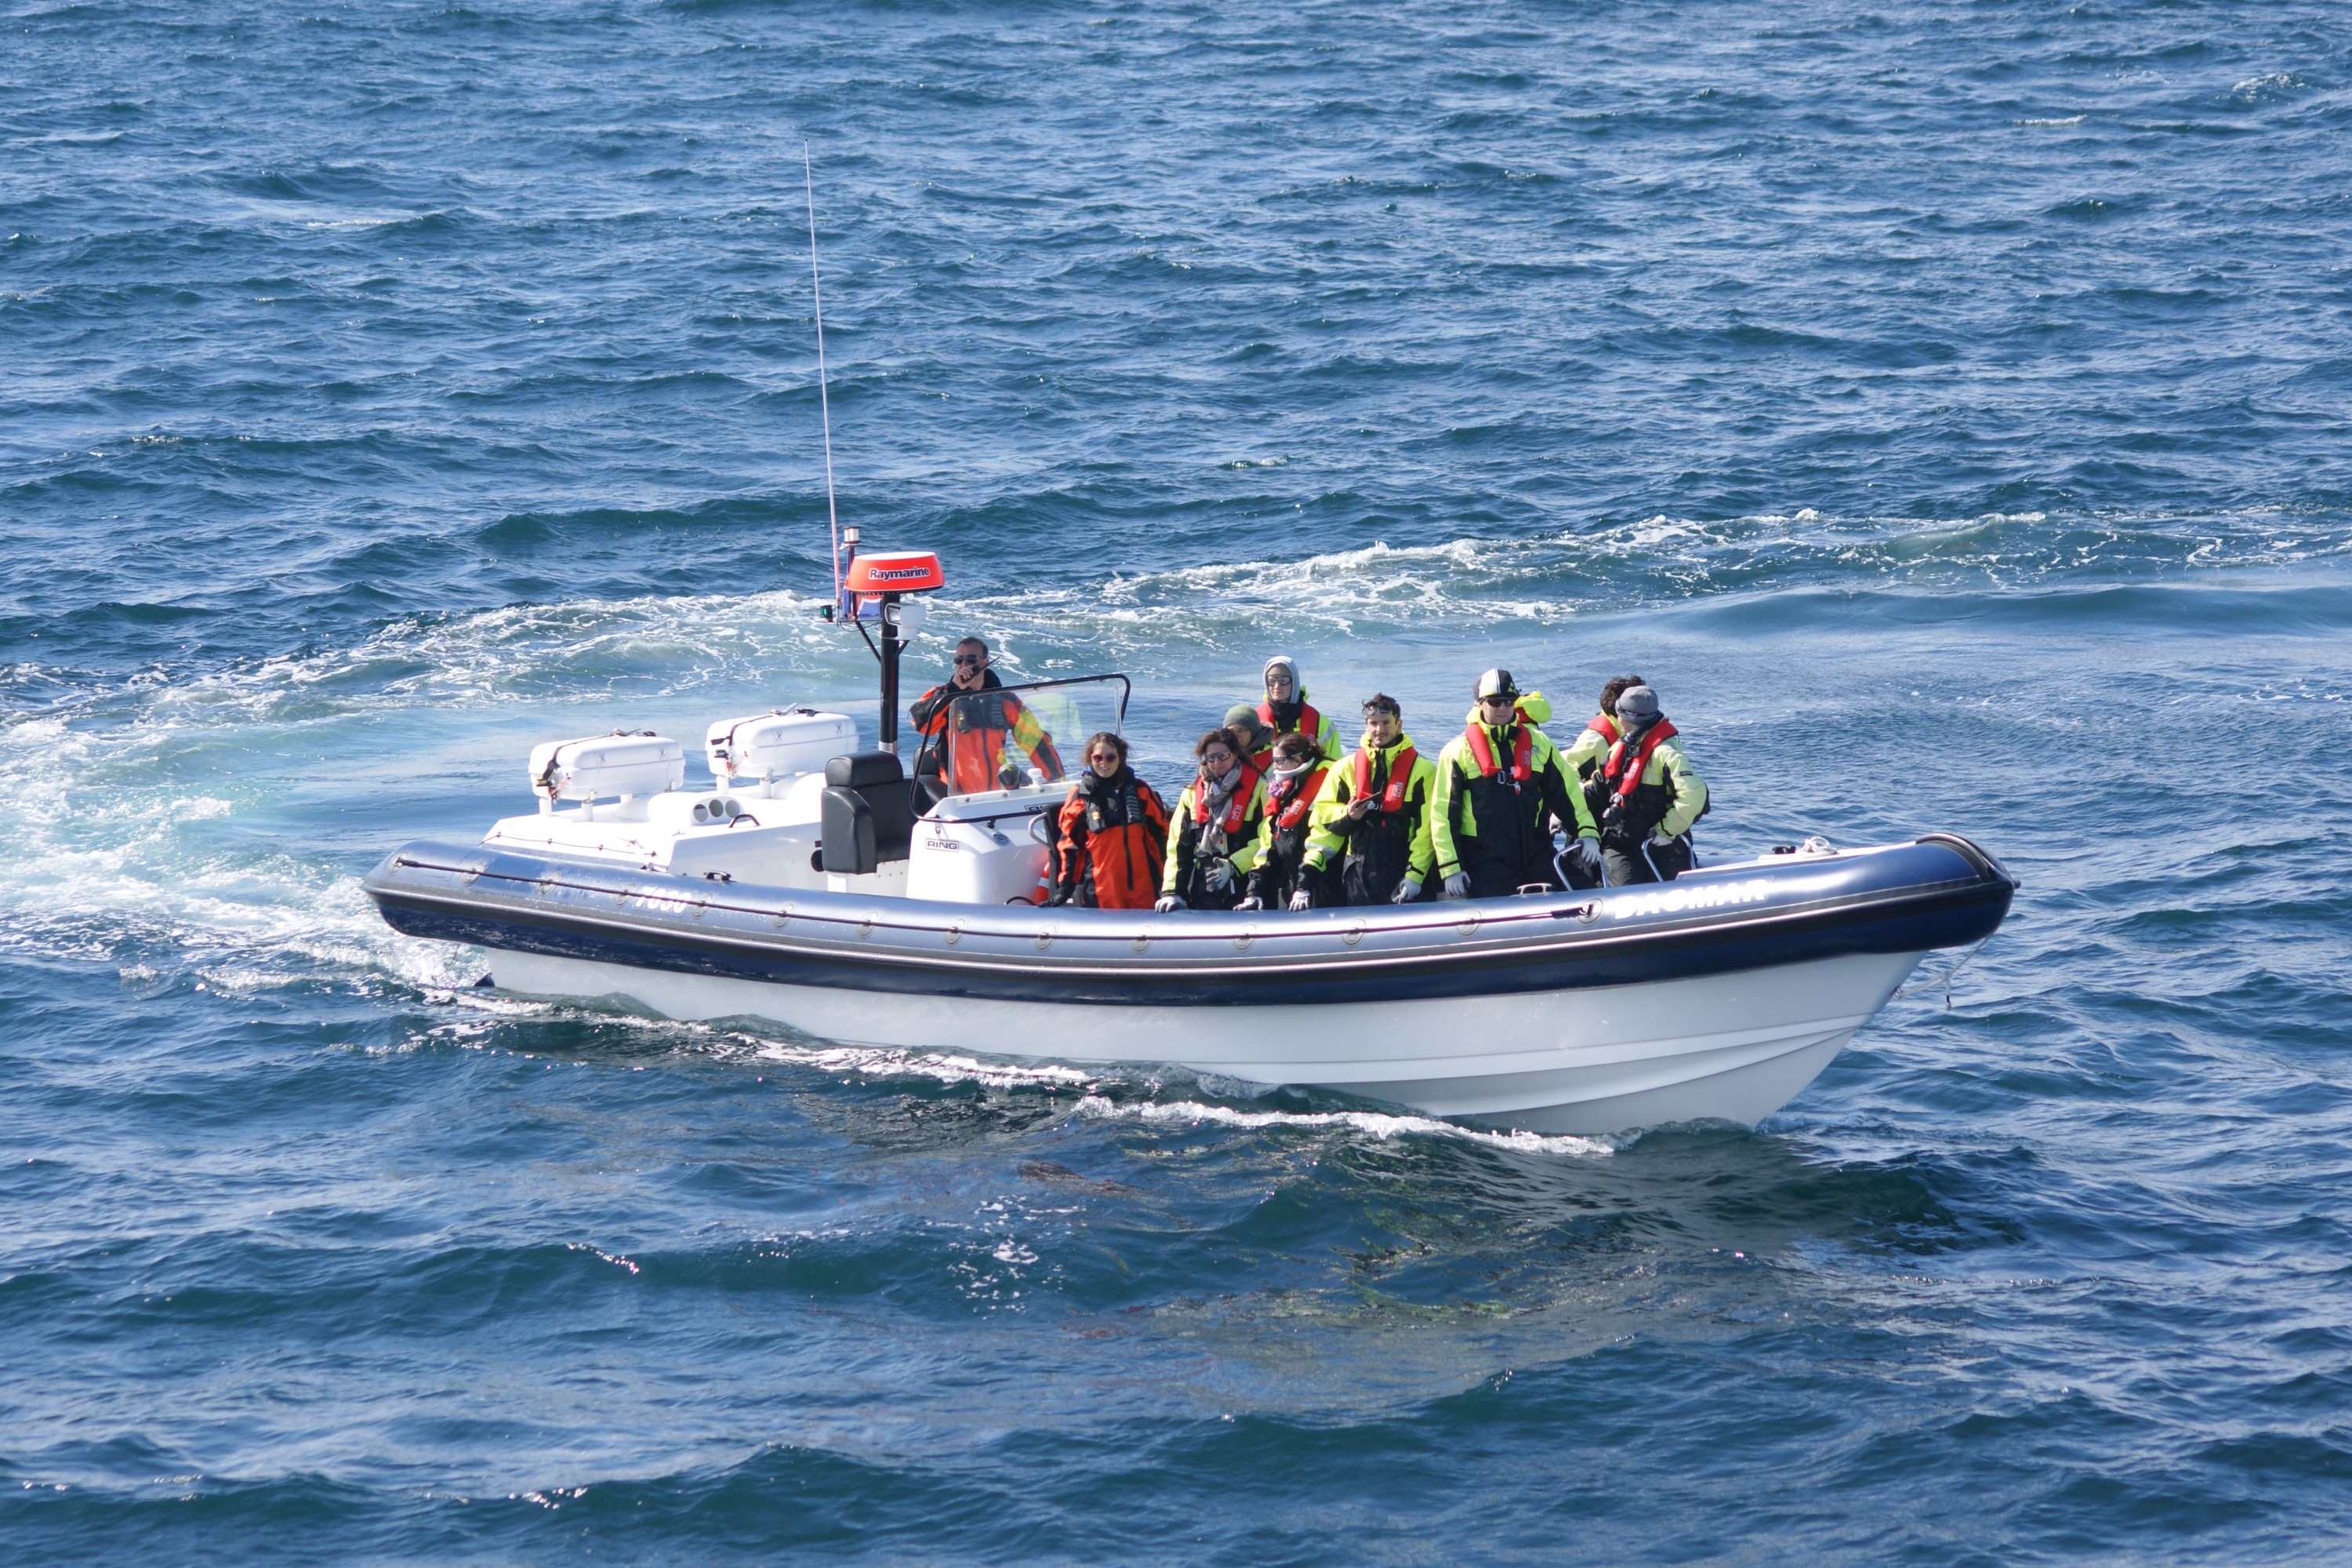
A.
pixel 598 767
pixel 778 745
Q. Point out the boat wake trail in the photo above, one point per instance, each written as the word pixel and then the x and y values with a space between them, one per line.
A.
pixel 1372 1123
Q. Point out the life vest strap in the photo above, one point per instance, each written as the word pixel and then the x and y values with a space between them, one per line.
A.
pixel 1482 748
pixel 1624 780
pixel 1287 812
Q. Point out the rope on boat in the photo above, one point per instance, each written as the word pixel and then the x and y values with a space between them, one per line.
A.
pixel 1943 980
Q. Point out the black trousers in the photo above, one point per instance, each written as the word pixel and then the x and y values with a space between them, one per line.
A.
pixel 1630 861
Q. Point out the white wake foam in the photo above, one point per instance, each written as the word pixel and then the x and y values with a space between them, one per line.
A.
pixel 1192 1112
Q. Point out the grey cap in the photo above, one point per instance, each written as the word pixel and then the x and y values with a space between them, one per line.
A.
pixel 1637 705
pixel 1243 713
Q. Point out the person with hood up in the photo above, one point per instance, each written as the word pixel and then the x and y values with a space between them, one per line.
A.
pixel 1282 879
pixel 1501 789
pixel 1583 759
pixel 1373 817
pixel 1213 838
pixel 1650 795
pixel 1111 835
pixel 1285 709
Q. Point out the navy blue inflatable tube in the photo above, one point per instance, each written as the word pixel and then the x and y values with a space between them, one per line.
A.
pixel 1941 892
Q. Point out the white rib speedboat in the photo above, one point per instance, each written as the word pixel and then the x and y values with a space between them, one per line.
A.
pixel 817 886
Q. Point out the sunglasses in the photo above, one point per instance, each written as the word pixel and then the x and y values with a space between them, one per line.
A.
pixel 1495 701
pixel 964 658
pixel 1216 756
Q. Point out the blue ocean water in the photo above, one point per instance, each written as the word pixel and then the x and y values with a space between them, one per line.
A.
pixel 1944 404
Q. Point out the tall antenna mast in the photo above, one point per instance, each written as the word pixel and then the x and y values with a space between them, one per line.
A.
pixel 823 397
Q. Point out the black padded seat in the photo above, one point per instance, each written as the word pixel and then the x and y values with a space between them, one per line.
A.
pixel 860 769
pixel 929 790
pixel 868 813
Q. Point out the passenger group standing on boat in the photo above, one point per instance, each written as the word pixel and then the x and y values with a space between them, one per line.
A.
pixel 1275 818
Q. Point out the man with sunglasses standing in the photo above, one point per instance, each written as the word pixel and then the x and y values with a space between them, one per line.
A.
pixel 1501 789
pixel 982 744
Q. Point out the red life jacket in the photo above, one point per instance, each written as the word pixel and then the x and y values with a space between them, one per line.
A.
pixel 1310 722
pixel 1400 777
pixel 1607 726
pixel 1624 787
pixel 1522 752
pixel 1235 809
pixel 1288 800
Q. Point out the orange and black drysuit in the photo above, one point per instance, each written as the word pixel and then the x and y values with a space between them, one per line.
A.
pixel 1282 838
pixel 1109 841
pixel 990 731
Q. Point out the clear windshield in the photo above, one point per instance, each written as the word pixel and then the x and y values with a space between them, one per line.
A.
pixel 1018 736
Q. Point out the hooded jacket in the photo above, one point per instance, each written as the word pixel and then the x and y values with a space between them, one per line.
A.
pixel 1284 717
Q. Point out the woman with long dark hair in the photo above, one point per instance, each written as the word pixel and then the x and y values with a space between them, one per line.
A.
pixel 1113 833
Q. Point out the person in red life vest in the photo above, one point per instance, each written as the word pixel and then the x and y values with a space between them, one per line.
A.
pixel 1282 879
pixel 1501 789
pixel 1652 795
pixel 1583 759
pixel 1213 838
pixel 1111 835
pixel 1254 735
pixel 975 741
pixel 1372 820
pixel 1287 712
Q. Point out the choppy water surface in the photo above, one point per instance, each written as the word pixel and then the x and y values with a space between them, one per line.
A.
pixel 1944 405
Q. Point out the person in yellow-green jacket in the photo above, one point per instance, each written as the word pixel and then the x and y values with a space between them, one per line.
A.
pixel 1373 817
pixel 1286 711
pixel 1583 759
pixel 1501 789
pixel 1650 795
pixel 1213 833
pixel 1282 879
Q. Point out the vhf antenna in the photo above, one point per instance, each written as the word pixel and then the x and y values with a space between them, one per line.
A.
pixel 824 398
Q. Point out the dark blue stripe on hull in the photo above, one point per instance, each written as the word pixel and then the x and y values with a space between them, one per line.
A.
pixel 1944 918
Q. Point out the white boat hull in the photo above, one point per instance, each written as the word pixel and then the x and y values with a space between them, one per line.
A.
pixel 1732 1047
